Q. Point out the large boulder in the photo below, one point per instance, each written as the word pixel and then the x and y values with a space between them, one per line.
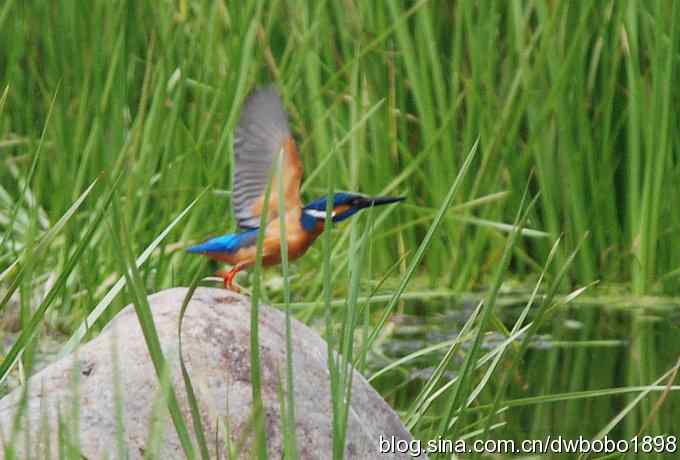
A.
pixel 215 344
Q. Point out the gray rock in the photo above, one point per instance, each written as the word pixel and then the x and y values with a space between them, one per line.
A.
pixel 216 337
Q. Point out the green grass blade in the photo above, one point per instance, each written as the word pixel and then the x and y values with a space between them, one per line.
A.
pixel 288 412
pixel 485 318
pixel 29 330
pixel 146 322
pixel 191 395
pixel 41 245
pixel 423 246
pixel 255 365
pixel 101 307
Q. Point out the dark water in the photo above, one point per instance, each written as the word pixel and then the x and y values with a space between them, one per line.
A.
pixel 598 343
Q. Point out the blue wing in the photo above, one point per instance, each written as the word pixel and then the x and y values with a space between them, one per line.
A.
pixel 226 243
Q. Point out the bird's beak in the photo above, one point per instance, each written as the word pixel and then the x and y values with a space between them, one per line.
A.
pixel 379 200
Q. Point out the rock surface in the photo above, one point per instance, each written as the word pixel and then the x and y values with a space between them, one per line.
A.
pixel 215 342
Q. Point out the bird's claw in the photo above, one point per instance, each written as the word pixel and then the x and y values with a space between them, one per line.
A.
pixel 228 279
pixel 232 287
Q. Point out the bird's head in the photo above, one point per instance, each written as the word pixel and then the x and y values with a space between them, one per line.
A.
pixel 344 205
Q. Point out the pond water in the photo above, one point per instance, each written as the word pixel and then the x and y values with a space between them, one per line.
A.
pixel 599 343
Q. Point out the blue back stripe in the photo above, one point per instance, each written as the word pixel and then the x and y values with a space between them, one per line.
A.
pixel 226 243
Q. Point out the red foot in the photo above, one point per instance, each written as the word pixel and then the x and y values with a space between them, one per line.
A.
pixel 228 278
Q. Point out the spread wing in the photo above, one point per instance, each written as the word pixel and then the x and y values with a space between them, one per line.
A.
pixel 263 134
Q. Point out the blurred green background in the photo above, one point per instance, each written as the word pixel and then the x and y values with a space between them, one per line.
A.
pixel 572 102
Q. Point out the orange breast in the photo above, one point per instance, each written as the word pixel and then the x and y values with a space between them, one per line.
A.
pixel 299 240
pixel 297 237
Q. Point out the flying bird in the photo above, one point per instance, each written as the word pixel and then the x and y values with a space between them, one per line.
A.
pixel 262 135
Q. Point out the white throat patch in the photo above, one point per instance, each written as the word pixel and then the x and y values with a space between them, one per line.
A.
pixel 318 214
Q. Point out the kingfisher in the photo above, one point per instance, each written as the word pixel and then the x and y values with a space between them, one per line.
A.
pixel 262 136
